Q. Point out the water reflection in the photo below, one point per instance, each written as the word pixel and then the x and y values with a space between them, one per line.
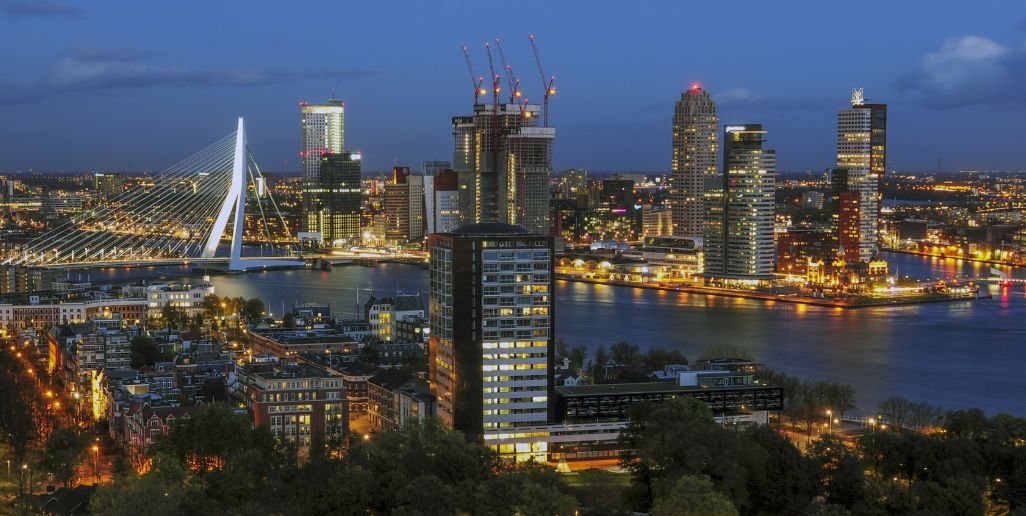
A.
pixel 958 354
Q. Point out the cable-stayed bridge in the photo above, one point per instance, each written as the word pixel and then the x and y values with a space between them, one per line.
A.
pixel 181 217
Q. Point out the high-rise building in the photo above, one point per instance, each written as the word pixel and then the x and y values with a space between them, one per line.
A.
pixel 442 202
pixel 336 205
pixel 504 161
pixel 323 132
pixel 108 184
pixel 463 159
pixel 695 145
pixel 740 207
pixel 404 207
pixel 862 151
pixel 431 170
pixel 491 330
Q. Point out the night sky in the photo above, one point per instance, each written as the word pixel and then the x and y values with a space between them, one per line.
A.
pixel 140 85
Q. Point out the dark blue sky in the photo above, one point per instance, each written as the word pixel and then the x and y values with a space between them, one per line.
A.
pixel 117 84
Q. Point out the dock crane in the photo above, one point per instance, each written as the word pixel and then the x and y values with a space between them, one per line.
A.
pixel 550 86
pixel 476 83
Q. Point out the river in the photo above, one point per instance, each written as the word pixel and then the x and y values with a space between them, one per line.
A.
pixel 954 354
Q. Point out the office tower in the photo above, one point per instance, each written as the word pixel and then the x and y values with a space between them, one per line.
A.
pixel 463 158
pixel 336 203
pixel 616 193
pixel 504 161
pixel 845 214
pixel 431 170
pixel 572 184
pixel 739 210
pixel 404 207
pixel 442 202
pixel 695 128
pixel 491 340
pixel 862 151
pixel 323 132
pixel 108 184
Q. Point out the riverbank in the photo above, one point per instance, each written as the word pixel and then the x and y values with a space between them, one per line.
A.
pixel 846 303
pixel 946 257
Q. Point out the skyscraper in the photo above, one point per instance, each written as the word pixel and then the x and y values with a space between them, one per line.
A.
pixel 442 202
pixel 404 207
pixel 431 170
pixel 336 207
pixel 491 344
pixel 504 161
pixel 862 151
pixel 695 128
pixel 740 207
pixel 323 132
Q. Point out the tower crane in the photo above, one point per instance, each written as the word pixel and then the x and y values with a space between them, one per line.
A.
pixel 476 83
pixel 550 86
pixel 496 87
pixel 511 80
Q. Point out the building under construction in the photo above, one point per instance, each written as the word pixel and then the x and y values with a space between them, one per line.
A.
pixel 503 156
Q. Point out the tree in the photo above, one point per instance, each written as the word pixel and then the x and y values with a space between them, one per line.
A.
pixel 692 495
pixel 212 306
pixel 289 321
pixel 145 351
pixel 64 449
pixel 577 355
pixel 625 353
pixel 253 309
pixel 896 410
pixel 167 491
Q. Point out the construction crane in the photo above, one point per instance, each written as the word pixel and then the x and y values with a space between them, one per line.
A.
pixel 476 83
pixel 550 87
pixel 496 87
pixel 511 80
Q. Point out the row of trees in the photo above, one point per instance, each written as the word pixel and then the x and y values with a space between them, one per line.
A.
pixel 976 464
pixel 31 423
pixel 806 403
pixel 216 463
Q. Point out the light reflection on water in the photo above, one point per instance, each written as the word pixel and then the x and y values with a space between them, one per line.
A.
pixel 957 354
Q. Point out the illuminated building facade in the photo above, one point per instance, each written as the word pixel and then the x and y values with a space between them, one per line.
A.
pixel 695 146
pixel 323 132
pixel 740 208
pixel 442 202
pixel 504 162
pixel 299 404
pixel 404 208
pixel 491 331
pixel 335 205
pixel 862 152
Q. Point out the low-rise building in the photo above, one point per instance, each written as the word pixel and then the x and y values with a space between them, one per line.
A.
pixel 298 403
pixel 396 397
pixel 289 343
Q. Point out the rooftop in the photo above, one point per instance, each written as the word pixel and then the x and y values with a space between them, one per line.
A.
pixel 489 228
pixel 641 388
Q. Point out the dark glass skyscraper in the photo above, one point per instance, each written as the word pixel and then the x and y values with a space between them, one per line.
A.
pixel 336 201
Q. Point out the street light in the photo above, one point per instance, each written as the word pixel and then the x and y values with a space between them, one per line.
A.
pixel 96 463
pixel 830 426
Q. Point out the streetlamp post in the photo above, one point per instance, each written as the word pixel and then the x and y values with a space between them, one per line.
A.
pixel 96 464
pixel 830 426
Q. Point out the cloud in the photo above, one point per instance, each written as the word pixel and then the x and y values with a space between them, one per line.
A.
pixel 92 69
pixel 970 70
pixel 15 9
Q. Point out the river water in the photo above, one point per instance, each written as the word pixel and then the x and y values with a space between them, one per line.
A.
pixel 956 354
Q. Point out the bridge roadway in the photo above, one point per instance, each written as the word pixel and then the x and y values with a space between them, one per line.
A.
pixel 257 262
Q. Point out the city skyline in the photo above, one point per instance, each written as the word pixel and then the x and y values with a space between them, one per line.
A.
pixel 953 76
